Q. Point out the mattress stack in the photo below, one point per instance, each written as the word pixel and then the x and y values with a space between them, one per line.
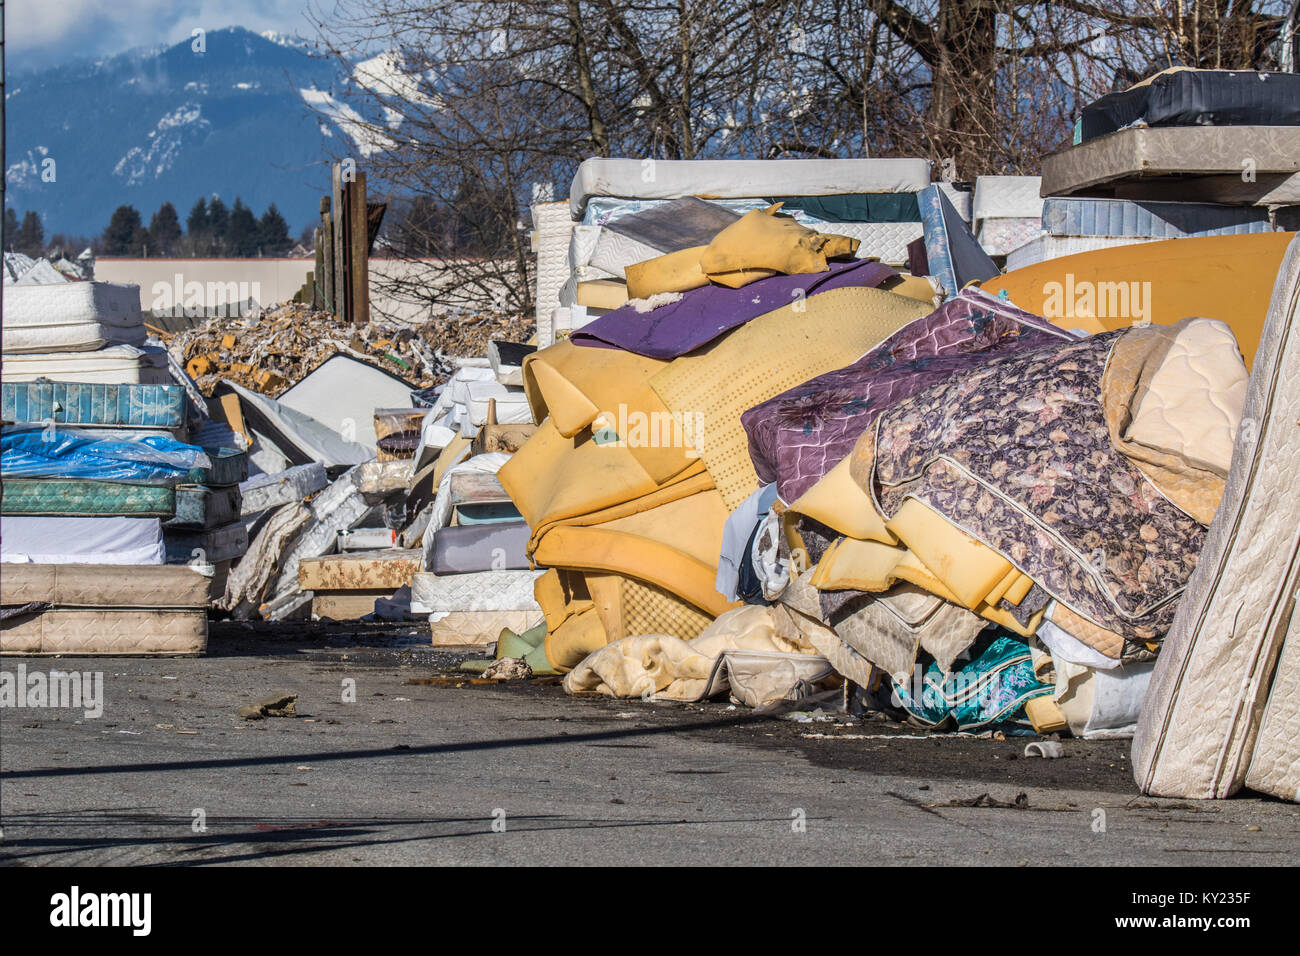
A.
pixel 1187 135
pixel 871 200
pixel 96 482
pixel 78 331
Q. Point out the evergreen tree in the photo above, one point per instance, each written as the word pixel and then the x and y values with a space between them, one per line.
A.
pixel 218 223
pixel 31 235
pixel 123 237
pixel 273 233
pixel 11 229
pixel 242 233
pixel 196 223
pixel 164 230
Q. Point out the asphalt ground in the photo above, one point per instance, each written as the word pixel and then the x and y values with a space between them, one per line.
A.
pixel 448 771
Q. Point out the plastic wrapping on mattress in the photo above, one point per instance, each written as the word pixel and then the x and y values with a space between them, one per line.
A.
pixel 50 452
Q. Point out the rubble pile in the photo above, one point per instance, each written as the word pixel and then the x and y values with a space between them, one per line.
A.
pixel 270 350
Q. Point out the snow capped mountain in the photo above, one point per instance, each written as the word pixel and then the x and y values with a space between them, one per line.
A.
pixel 151 126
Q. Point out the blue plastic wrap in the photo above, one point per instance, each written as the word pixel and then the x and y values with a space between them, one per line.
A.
pixel 50 451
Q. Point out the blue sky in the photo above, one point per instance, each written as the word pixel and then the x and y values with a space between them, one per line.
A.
pixel 41 31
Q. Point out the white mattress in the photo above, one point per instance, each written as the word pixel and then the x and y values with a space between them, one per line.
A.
pixel 71 317
pixel 963 200
pixel 473 591
pixel 1007 197
pixel 1220 710
pixel 342 393
pixel 743 178
pixel 552 229
pixel 886 241
pixel 114 365
pixel 1054 247
pixel 58 540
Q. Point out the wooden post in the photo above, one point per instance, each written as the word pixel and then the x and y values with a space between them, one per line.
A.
pixel 316 299
pixel 359 252
pixel 339 270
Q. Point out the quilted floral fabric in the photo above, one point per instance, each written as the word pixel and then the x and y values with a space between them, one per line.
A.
pixel 1017 453
pixel 798 436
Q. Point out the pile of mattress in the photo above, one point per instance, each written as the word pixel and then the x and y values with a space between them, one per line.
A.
pixel 1185 135
pixel 584 246
pixel 94 478
pixel 78 331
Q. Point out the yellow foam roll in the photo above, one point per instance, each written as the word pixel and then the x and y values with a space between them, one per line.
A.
pixel 913 571
pixel 839 502
pixel 602 293
pixel 598 549
pixel 570 410
pixel 675 272
pixel 967 567
pixel 763 240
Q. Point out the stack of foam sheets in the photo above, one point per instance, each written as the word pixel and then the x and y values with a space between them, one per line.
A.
pixel 872 200
pixel 78 331
pixel 1081 225
pixel 109 609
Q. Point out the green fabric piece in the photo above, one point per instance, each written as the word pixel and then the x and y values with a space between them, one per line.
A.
pixel 856 207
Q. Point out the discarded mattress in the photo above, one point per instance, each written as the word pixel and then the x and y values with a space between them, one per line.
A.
pixel 1006 197
pixel 1220 709
pixel 42 451
pixel 493 547
pixel 737 179
pixel 74 497
pixel 552 226
pixel 1189 97
pixel 204 508
pixel 71 317
pixel 1195 163
pixel 270 491
pixel 1149 220
pixel 113 365
pixel 206 547
pixel 798 436
pixel 82 632
pixel 59 540
pixel 71 403
pixel 1228 278
pixel 477 591
pixel 342 394
pixel 455 628
pixel 299 436
pixel 953 254
pixel 703 315
pixel 90 586
pixel 383 570
pixel 1047 247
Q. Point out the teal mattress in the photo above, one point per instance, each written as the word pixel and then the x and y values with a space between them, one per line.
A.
pixel 80 403
pixel 201 507
pixel 75 497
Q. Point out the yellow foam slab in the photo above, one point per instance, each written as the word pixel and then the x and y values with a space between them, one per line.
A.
pixel 969 568
pixel 839 502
